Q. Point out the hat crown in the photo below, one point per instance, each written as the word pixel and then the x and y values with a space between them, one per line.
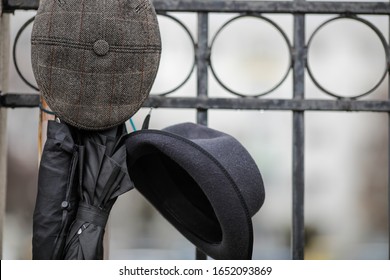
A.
pixel 232 157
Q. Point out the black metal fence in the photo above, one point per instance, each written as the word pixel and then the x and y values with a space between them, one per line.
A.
pixel 298 104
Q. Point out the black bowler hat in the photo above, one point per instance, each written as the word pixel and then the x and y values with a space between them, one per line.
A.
pixel 203 181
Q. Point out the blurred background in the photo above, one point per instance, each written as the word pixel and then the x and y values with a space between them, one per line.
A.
pixel 346 154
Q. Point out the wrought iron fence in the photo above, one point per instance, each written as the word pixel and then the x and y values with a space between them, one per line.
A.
pixel 298 50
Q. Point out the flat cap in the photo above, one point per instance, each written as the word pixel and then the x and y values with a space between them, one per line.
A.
pixel 95 61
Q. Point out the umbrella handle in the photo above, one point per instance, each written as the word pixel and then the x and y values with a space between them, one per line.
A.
pixel 146 122
pixel 43 117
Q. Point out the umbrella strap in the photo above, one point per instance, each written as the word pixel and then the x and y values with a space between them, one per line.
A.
pixel 91 214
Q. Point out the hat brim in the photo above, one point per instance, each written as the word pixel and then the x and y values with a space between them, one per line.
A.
pixel 193 191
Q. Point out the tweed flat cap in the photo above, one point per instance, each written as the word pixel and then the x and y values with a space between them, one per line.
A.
pixel 203 181
pixel 95 61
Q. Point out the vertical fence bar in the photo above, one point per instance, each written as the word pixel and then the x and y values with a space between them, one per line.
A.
pixel 388 178
pixel 4 59
pixel 202 79
pixel 388 155
pixel 202 63
pixel 298 224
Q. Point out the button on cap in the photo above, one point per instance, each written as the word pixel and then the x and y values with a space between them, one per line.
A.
pixel 101 47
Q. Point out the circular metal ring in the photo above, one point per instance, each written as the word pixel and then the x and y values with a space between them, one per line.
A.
pixel 280 82
pixel 381 38
pixel 24 26
pixel 194 61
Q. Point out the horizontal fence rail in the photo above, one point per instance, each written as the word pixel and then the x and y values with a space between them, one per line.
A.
pixel 18 100
pixel 221 6
pixel 299 68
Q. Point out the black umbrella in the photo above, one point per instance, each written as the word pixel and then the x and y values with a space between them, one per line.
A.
pixel 103 177
pixel 57 197
pixel 81 175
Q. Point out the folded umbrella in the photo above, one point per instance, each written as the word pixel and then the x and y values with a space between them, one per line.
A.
pixel 103 177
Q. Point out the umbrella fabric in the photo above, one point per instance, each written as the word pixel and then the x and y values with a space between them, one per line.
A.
pixel 103 177
pixel 57 197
